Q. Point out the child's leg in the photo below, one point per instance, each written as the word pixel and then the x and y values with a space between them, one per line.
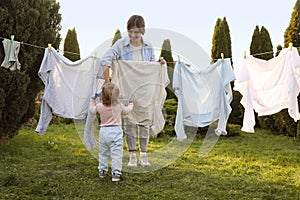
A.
pixel 116 150
pixel 104 150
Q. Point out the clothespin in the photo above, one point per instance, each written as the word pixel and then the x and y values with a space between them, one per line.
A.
pixel 244 54
pixel 49 46
pixel 179 59
pixel 117 58
pixel 95 54
pixel 290 46
pixel 12 37
pixel 222 56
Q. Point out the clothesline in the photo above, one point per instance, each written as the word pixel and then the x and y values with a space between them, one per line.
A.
pixel 36 46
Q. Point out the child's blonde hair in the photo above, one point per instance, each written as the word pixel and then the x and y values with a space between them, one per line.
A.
pixel 110 94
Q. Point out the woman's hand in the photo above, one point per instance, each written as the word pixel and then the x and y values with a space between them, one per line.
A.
pixel 162 60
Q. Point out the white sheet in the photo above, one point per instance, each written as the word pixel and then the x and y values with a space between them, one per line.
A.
pixel 268 86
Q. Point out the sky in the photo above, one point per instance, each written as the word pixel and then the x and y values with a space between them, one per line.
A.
pixel 96 21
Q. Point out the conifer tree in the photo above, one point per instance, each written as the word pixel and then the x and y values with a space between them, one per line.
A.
pixel 278 49
pixel 261 44
pixel 227 50
pixel 267 47
pixel 216 42
pixel 166 53
pixel 117 36
pixel 292 31
pixel 221 42
pixel 34 22
pixel 255 46
pixel 71 46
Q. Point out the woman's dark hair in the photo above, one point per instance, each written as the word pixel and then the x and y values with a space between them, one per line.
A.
pixel 138 21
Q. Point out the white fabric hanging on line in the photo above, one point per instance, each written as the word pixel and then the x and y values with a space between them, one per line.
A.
pixel 145 83
pixel 11 50
pixel 68 87
pixel 204 96
pixel 268 86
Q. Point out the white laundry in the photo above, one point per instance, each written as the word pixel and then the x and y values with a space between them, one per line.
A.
pixel 91 119
pixel 145 83
pixel 68 87
pixel 268 86
pixel 11 50
pixel 204 96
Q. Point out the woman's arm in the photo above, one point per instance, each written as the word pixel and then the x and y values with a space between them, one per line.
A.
pixel 111 54
pixel 106 74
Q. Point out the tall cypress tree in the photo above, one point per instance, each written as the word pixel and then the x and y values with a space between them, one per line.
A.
pixel 35 22
pixel 278 49
pixel 71 46
pixel 261 44
pixel 117 36
pixel 227 50
pixel 166 52
pixel 267 46
pixel 292 31
pixel 255 46
pixel 221 42
pixel 216 42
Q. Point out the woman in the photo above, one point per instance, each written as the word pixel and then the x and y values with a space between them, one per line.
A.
pixel 136 48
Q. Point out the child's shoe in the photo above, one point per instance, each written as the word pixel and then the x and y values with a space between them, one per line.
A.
pixel 116 177
pixel 102 174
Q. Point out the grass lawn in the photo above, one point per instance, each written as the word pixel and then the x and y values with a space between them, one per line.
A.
pixel 58 166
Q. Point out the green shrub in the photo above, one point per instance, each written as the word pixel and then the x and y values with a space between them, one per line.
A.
pixel 237 113
pixel 13 101
pixel 170 110
pixel 36 22
pixel 233 130
pixel 280 124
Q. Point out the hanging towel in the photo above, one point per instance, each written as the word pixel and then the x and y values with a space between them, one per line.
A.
pixel 11 50
pixel 91 120
pixel 204 96
pixel 68 87
pixel 145 83
pixel 268 86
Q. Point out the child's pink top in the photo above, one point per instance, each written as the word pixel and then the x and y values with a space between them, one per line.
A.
pixel 110 115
